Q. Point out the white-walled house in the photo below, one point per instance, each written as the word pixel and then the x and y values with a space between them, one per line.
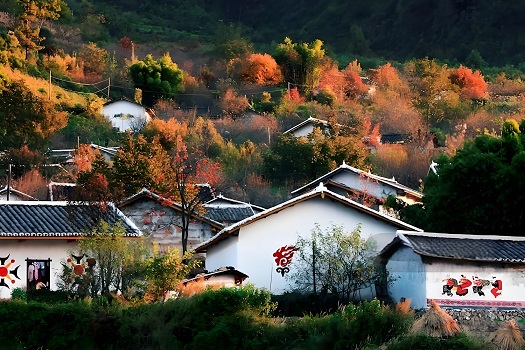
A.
pixel 160 220
pixel 346 178
pixel 457 270
pixel 126 115
pixel 257 244
pixel 37 237
pixel 305 128
pixel 11 194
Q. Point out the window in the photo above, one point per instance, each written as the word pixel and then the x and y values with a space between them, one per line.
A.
pixel 38 273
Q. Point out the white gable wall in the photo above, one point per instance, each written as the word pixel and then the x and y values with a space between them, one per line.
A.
pixel 304 130
pixel 125 108
pixel 20 250
pixel 12 197
pixel 222 254
pixel 260 239
pixel 409 271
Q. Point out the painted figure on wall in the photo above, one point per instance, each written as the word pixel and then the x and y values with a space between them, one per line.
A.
pixel 498 286
pixel 461 287
pixel 450 283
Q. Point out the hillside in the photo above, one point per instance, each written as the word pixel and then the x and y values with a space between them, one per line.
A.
pixel 395 29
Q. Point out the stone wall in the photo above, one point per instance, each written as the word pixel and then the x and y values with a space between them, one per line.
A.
pixel 481 322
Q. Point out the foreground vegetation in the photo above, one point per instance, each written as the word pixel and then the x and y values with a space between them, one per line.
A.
pixel 241 318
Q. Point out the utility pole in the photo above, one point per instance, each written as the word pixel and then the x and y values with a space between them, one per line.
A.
pixel 8 181
pixel 109 85
pixel 49 95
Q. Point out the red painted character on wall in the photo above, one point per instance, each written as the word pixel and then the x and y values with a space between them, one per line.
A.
pixel 283 257
pixel 498 286
pixel 463 285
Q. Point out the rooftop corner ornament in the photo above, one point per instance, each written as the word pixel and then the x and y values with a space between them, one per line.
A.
pixel 283 258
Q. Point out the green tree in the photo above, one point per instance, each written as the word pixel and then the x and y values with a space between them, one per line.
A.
pixel 165 272
pixel 480 190
pixel 295 161
pixel 433 94
pixel 34 13
pixel 26 118
pixel 336 261
pixel 300 63
pixel 157 79
pixel 139 164
pixel 113 253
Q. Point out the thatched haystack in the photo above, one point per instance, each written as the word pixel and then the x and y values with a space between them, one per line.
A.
pixel 507 337
pixel 436 323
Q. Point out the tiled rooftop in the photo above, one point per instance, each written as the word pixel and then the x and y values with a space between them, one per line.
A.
pixel 56 219
pixel 229 214
pixel 479 248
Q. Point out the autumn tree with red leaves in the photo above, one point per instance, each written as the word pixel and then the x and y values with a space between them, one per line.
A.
pixel 472 84
pixel 191 172
pixel 261 69
pixel 354 86
pixel 232 104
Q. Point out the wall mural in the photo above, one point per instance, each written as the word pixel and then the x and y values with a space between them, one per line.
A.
pixel 283 257
pixel 79 266
pixel 5 272
pixel 462 286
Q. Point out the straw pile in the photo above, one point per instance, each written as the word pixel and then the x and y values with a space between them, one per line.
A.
pixel 507 337
pixel 436 323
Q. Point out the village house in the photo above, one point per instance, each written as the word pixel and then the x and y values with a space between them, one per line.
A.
pixel 37 237
pixel 362 185
pixel 127 115
pixel 456 270
pixel 160 219
pixel 8 193
pixel 256 245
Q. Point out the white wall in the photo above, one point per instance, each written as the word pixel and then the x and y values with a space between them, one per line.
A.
pixel 409 271
pixel 304 130
pixel 20 250
pixel 222 254
pixel 124 107
pixel 258 241
pixel 512 277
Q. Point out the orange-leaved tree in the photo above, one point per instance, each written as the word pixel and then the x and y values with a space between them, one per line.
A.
pixel 472 84
pixel 261 69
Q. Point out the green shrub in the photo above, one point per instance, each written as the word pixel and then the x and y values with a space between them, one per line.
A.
pixel 19 294
pixel 461 342
pixel 47 296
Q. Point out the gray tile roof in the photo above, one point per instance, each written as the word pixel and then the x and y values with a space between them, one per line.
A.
pixel 229 214
pixel 56 219
pixel 468 247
